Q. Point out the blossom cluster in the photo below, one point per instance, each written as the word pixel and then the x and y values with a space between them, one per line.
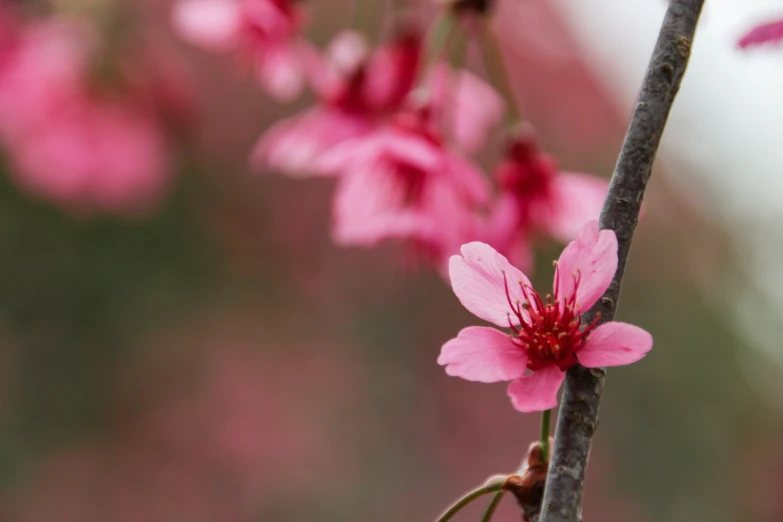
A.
pixel 399 127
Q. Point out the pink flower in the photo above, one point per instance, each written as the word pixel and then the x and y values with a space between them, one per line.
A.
pixel 401 182
pixel 268 31
pixel 538 200
pixel 96 157
pixel 68 143
pixel 770 32
pixel 355 89
pixel 549 334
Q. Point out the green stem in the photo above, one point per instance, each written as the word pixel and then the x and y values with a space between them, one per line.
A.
pixel 468 498
pixel 546 421
pixel 458 48
pixel 497 70
pixel 493 505
pixel 440 36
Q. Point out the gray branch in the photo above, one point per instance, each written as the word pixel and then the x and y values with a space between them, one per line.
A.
pixel 578 416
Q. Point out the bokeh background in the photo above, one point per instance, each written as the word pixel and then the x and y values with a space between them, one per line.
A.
pixel 219 359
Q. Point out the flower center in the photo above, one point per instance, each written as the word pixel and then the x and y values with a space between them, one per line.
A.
pixel 413 180
pixel 528 178
pixel 550 331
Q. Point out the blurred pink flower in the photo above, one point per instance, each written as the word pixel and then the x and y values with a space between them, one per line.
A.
pixel 96 157
pixel 401 182
pixel 267 31
pixel 70 143
pixel 467 105
pixel 769 32
pixel 548 335
pixel 536 199
pixel 355 89
pixel 43 71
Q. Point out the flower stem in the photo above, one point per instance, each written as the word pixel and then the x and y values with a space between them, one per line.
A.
pixel 497 70
pixel 493 487
pixel 546 421
pixel 440 35
pixel 493 505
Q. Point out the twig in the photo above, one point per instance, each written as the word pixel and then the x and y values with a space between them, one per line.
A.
pixel 493 505
pixel 578 416
pixel 492 486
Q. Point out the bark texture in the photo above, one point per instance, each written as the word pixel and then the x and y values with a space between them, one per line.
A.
pixel 578 417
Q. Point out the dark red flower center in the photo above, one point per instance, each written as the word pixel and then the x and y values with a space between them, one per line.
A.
pixel 413 180
pixel 550 331
pixel 526 173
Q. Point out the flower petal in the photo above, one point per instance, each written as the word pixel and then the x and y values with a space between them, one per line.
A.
pixel 483 354
pixel 411 149
pixel 575 199
pixel 536 391
pixel 770 32
pixel 479 278
pixel 369 206
pixel 469 178
pixel 592 259
pixel 344 56
pixel 391 72
pixel 280 70
pixel 615 344
pixel 213 24
pixel 295 145
pixel 471 107
pixel 350 153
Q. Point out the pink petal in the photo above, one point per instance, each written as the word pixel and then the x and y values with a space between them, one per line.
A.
pixel 615 344
pixel 414 150
pixel 771 32
pixel 368 207
pixel 280 71
pixel 213 24
pixel 295 145
pixel 575 199
pixel 479 277
pixel 503 232
pixel 346 53
pixel 389 143
pixel 483 354
pixel 591 258
pixel 391 72
pixel 349 153
pixel 469 178
pixel 536 391
pixel 470 106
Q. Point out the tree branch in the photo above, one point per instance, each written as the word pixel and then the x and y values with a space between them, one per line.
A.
pixel 578 416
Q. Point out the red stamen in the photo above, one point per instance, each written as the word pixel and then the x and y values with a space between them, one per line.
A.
pixel 551 331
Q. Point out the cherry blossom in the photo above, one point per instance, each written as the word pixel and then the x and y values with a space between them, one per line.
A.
pixel 70 142
pixel 356 90
pixel 401 182
pixel 266 31
pixel 537 199
pixel 549 334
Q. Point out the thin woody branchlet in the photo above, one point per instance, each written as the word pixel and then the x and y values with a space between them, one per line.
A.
pixel 578 417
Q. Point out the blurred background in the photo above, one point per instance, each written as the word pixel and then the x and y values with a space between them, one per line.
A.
pixel 192 347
